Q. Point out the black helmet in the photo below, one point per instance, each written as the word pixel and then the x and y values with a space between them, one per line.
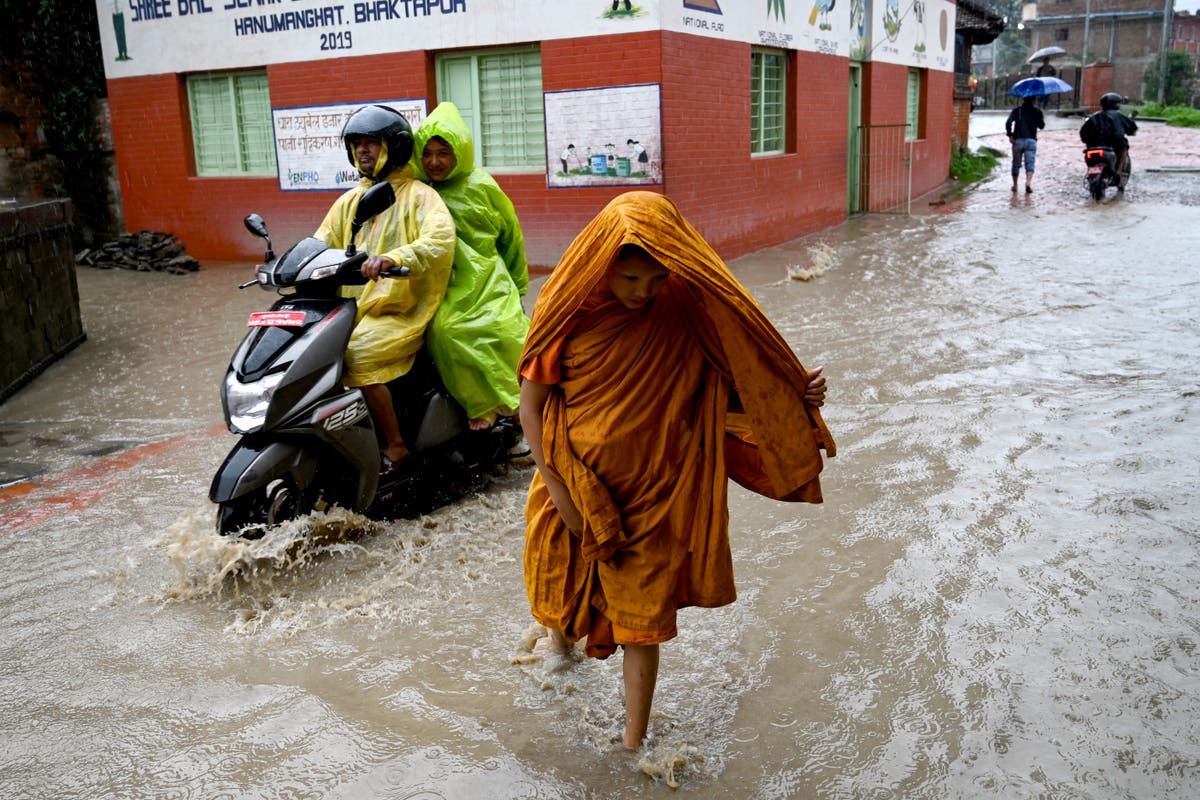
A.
pixel 386 124
pixel 1111 101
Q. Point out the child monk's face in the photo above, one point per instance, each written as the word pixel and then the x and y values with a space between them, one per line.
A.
pixel 635 278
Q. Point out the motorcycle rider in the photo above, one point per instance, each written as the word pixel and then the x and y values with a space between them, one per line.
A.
pixel 1108 127
pixel 417 232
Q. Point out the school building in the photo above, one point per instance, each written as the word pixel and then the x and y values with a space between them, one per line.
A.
pixel 763 119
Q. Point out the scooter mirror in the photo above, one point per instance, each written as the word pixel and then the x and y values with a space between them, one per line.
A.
pixel 376 200
pixel 256 225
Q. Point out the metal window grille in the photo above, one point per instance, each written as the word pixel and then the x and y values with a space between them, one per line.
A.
pixel 913 106
pixel 885 169
pixel 499 94
pixel 768 98
pixel 511 114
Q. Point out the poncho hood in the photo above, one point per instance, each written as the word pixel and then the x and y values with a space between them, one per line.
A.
pixel 445 122
pixel 770 379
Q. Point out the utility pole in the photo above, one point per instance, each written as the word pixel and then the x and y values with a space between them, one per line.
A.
pixel 1087 27
pixel 1162 50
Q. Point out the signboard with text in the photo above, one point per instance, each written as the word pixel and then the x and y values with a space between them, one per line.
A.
pixel 153 37
pixel 309 148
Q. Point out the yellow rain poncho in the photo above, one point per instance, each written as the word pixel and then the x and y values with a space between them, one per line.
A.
pixel 477 334
pixel 417 232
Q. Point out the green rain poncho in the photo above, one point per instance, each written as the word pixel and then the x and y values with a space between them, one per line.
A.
pixel 478 332
pixel 417 232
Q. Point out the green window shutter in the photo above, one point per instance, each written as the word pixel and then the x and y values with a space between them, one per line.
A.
pixel 500 96
pixel 232 130
pixel 456 79
pixel 213 127
pixel 913 109
pixel 256 140
pixel 768 101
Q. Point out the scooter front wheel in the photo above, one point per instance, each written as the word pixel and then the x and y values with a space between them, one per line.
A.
pixel 250 515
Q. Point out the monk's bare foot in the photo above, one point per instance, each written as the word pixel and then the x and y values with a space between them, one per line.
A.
pixel 559 652
pixel 558 643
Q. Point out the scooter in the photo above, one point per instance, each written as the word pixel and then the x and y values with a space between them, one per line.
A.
pixel 1102 171
pixel 307 441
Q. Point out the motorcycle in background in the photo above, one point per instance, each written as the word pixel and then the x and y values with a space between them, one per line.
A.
pixel 1102 171
pixel 307 441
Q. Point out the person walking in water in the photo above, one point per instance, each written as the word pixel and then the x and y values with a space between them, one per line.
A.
pixel 650 376
pixel 1022 126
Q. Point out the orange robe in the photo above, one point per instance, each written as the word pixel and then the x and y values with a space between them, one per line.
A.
pixel 639 427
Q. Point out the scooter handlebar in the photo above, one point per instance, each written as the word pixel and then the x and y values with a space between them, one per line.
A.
pixel 396 272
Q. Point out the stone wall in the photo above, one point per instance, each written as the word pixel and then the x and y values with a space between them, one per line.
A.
pixel 29 169
pixel 39 296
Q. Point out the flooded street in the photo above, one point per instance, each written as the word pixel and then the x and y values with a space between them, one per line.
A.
pixel 998 598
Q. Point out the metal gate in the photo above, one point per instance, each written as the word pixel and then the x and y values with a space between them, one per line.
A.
pixel 885 169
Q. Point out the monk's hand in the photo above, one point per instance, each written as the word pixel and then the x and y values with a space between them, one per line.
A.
pixel 375 265
pixel 571 516
pixel 814 393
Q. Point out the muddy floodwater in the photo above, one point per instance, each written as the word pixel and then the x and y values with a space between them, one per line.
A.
pixel 1000 597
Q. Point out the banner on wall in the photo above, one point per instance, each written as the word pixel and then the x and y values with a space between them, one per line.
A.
pixel 918 33
pixel 611 136
pixel 309 148
pixel 914 33
pixel 154 37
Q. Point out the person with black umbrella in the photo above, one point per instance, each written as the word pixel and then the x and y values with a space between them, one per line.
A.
pixel 1022 126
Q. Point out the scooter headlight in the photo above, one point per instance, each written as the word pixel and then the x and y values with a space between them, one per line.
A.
pixel 248 402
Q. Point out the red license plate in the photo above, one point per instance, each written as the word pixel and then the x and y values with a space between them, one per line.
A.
pixel 263 319
pixel 1094 171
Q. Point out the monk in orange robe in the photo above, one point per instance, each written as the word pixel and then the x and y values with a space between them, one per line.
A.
pixel 649 377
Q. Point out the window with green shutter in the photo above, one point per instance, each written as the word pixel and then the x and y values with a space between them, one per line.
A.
pixel 499 93
pixel 768 101
pixel 913 109
pixel 232 132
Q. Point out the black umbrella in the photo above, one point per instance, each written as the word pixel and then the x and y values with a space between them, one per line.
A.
pixel 1045 53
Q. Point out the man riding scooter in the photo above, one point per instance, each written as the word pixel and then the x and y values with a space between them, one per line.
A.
pixel 1108 127
pixel 418 233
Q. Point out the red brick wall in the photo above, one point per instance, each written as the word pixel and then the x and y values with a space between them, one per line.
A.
pixel 29 169
pixel 551 218
pixel 1097 79
pixel 156 166
pixel 932 162
pixel 739 203
pixel 885 90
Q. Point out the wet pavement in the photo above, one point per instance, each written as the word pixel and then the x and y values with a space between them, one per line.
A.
pixel 998 598
pixel 1166 165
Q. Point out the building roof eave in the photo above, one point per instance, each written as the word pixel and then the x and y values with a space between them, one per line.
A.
pixel 979 23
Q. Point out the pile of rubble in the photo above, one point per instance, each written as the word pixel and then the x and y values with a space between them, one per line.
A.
pixel 146 251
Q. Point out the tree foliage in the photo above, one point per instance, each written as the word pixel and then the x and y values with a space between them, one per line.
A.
pixel 61 41
pixel 58 41
pixel 1181 76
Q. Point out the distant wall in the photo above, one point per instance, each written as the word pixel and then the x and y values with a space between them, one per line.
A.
pixel 39 297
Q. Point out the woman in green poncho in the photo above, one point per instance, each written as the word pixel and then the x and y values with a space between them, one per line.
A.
pixel 478 332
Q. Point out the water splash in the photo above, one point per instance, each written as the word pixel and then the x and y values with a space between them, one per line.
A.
pixel 821 258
